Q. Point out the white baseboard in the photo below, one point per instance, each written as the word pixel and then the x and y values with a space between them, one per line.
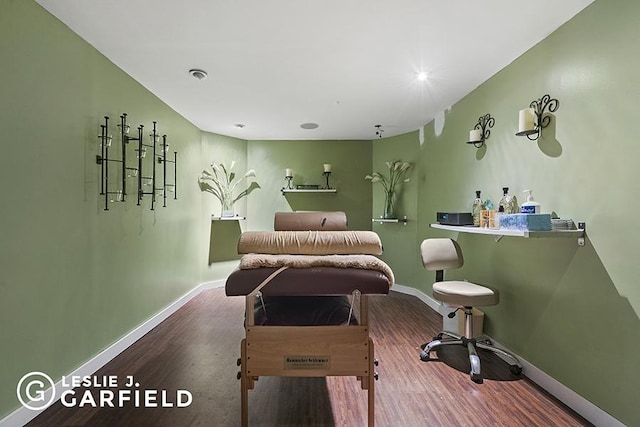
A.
pixel 407 290
pixel 573 400
pixel 22 415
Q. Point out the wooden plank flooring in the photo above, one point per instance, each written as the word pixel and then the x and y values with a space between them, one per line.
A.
pixel 197 347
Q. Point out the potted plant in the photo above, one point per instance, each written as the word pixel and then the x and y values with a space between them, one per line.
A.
pixel 221 182
pixel 397 174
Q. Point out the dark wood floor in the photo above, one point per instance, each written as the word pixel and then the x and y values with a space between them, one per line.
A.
pixel 197 347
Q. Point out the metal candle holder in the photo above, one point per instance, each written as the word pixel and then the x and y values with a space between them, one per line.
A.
pixel 327 174
pixel 289 180
pixel 484 123
pixel 546 103
pixel 103 160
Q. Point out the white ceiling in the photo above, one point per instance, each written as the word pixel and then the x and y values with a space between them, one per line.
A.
pixel 347 65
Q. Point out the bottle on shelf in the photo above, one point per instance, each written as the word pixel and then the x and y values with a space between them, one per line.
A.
pixel 508 204
pixel 478 205
pixel 530 206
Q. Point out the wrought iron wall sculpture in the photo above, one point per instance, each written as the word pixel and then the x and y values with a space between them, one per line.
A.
pixel 113 186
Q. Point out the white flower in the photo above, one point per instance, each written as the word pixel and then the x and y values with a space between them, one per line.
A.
pixel 220 183
pixel 397 171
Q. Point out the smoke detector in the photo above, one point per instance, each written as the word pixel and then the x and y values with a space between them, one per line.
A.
pixel 198 74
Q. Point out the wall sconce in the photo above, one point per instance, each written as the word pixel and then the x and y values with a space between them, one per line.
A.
pixel 480 132
pixel 162 159
pixel 532 120
pixel 116 191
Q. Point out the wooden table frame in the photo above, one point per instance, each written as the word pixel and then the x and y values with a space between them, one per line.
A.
pixel 307 351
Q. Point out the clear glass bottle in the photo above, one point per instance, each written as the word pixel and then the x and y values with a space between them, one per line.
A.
pixel 478 205
pixel 508 204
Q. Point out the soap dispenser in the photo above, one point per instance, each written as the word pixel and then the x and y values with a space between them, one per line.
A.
pixel 508 204
pixel 478 205
pixel 530 206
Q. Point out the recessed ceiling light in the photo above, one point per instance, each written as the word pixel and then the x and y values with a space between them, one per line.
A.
pixel 198 74
pixel 309 125
pixel 422 76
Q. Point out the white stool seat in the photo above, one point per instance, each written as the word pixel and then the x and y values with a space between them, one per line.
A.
pixel 464 294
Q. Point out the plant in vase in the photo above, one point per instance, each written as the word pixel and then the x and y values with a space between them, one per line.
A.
pixel 397 174
pixel 220 182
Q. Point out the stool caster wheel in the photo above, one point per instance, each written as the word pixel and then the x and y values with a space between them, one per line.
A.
pixel 477 378
pixel 424 356
pixel 515 369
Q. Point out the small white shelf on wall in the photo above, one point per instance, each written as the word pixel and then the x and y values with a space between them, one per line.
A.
pixel 402 220
pixel 227 218
pixel 499 233
pixel 310 190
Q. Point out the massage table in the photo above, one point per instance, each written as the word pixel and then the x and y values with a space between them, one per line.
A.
pixel 301 283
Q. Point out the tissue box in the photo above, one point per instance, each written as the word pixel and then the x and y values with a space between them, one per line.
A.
pixel 525 222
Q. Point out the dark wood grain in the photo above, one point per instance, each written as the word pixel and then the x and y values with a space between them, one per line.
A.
pixel 197 347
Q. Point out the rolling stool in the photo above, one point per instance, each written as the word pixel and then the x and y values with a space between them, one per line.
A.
pixel 444 254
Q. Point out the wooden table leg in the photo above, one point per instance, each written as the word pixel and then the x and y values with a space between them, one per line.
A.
pixel 371 396
pixel 244 385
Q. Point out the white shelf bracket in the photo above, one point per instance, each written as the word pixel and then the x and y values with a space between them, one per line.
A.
pixel 582 226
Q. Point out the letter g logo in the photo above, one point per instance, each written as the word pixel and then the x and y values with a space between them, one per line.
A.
pixel 33 389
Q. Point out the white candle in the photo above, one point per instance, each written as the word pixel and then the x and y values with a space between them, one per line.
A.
pixel 288 172
pixel 475 135
pixel 526 120
pixel 327 167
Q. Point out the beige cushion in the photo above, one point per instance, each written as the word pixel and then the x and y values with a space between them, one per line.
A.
pixel 310 242
pixel 302 221
pixel 465 294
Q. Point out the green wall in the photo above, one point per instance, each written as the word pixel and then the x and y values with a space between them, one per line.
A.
pixel 73 277
pixel 350 160
pixel 571 311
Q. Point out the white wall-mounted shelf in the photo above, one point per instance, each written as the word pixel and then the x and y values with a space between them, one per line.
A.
pixel 227 218
pixel 310 190
pixel 390 220
pixel 499 233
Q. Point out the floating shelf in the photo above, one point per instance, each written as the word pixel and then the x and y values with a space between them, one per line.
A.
pixel 500 233
pixel 390 220
pixel 320 190
pixel 227 218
